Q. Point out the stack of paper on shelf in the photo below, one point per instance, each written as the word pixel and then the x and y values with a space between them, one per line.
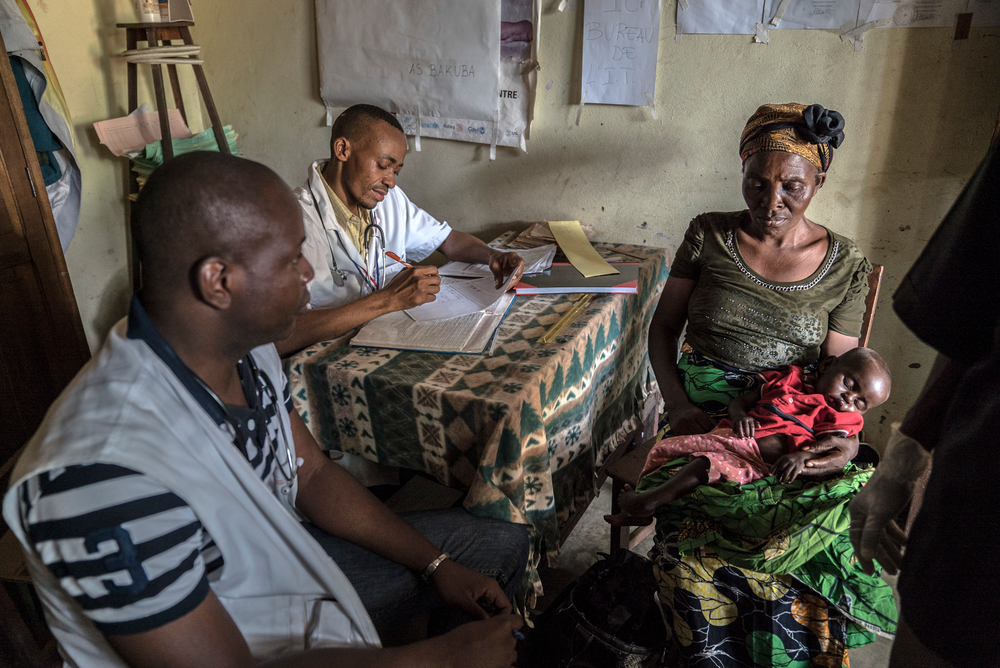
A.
pixel 130 134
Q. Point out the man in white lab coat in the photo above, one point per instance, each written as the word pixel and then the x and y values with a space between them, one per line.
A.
pixel 356 219
pixel 173 508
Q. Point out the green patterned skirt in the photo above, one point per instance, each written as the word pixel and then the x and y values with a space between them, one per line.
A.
pixel 763 574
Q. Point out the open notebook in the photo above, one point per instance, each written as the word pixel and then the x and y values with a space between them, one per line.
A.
pixel 468 334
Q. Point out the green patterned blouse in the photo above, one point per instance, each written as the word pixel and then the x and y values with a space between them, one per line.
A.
pixel 741 319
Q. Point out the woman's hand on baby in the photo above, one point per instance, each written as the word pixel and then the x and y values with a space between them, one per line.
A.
pixel 788 467
pixel 634 510
pixel 830 455
pixel 688 419
pixel 745 426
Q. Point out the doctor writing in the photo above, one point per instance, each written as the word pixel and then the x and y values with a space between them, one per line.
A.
pixel 354 215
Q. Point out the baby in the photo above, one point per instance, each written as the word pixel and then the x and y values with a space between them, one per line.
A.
pixel 766 431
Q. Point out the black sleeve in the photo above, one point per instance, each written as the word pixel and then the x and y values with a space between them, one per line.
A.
pixel 951 296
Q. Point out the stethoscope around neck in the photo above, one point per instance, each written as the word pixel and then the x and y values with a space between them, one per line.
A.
pixel 371 232
pixel 291 464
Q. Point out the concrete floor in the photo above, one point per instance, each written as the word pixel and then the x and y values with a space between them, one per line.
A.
pixel 591 536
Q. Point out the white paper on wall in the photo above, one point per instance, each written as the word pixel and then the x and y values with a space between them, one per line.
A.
pixel 812 14
pixel 720 17
pixel 620 41
pixel 917 13
pixel 434 60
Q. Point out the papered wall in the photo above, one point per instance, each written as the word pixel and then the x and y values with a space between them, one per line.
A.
pixel 920 109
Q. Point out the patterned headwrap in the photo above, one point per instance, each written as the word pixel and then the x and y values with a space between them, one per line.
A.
pixel 811 132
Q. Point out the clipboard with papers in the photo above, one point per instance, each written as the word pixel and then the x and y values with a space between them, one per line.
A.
pixel 565 278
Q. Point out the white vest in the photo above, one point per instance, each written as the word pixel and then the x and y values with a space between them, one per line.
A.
pixel 127 407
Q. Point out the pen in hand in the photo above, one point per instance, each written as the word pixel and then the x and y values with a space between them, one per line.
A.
pixel 398 259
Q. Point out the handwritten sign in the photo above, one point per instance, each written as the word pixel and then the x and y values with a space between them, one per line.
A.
pixel 409 57
pixel 620 41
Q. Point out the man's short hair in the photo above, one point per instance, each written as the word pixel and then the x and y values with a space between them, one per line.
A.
pixel 354 122
pixel 200 204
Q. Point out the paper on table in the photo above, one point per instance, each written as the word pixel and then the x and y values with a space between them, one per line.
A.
pixel 396 329
pixel 577 248
pixel 468 334
pixel 535 260
pixel 133 132
pixel 720 17
pixel 620 41
pixel 460 298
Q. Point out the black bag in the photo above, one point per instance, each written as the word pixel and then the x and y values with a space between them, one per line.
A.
pixel 606 618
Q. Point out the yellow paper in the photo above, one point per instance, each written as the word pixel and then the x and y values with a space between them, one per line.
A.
pixel 577 248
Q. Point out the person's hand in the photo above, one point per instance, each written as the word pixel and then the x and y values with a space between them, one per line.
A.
pixel 744 427
pixel 412 287
pixel 874 533
pixel 635 512
pixel 504 264
pixel 468 590
pixel 483 644
pixel 789 466
pixel 835 452
pixel 688 419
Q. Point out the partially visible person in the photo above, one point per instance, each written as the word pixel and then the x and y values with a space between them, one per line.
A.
pixel 355 215
pixel 767 430
pixel 949 583
pixel 173 508
pixel 764 287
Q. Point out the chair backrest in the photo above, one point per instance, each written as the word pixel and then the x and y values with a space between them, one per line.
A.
pixel 874 281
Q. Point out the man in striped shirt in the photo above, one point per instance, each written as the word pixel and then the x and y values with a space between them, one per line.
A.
pixel 175 510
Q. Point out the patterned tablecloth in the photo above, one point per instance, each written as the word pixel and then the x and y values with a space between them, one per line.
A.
pixel 523 430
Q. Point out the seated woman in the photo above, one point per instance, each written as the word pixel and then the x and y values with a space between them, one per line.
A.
pixel 760 289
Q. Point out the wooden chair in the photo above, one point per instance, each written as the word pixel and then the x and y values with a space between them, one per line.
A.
pixel 626 470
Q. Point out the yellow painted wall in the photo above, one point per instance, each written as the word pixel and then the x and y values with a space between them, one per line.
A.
pixel 920 109
pixel 83 41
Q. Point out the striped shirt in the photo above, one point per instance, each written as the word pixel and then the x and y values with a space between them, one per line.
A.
pixel 127 549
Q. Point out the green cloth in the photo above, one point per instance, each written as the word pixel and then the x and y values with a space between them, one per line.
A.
pixel 798 529
pixel 707 383
pixel 203 141
pixel 738 318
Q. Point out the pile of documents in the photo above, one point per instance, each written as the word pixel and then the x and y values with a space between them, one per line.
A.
pixel 152 157
pixel 138 136
pixel 539 234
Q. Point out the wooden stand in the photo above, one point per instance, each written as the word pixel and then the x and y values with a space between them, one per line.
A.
pixel 160 34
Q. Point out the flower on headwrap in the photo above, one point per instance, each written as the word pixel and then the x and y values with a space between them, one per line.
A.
pixel 810 132
pixel 822 125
